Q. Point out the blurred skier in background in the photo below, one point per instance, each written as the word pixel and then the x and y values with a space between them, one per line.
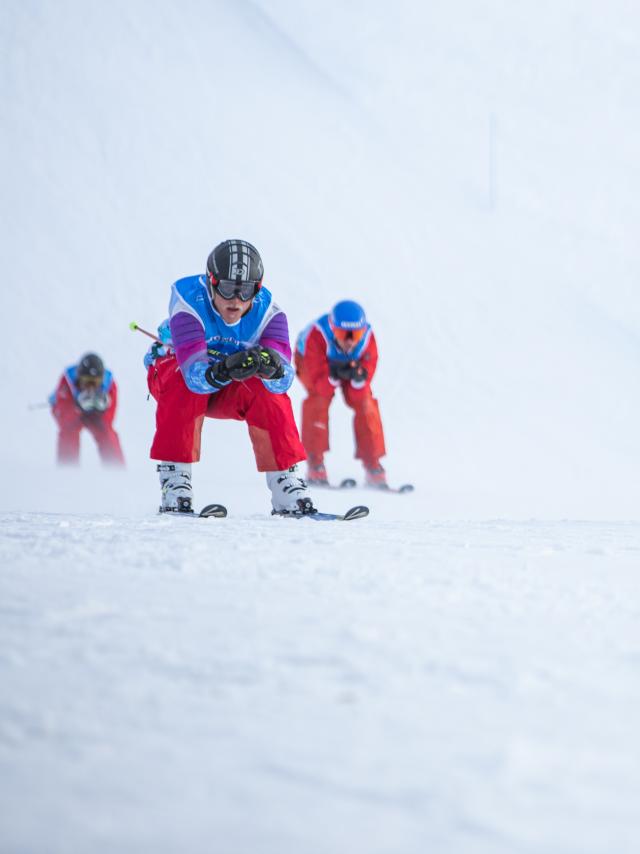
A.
pixel 86 397
pixel 225 353
pixel 339 351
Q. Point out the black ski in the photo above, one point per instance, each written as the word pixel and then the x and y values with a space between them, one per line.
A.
pixel 350 483
pixel 347 483
pixel 398 490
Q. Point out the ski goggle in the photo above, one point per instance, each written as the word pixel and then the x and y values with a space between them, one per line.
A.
pixel 229 288
pixel 88 382
pixel 348 338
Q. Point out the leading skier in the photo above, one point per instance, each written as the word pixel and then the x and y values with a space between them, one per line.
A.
pixel 230 342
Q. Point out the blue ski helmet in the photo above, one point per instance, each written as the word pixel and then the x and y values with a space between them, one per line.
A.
pixel 348 323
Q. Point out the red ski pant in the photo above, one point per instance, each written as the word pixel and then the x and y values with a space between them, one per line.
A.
pixel 180 414
pixel 102 431
pixel 367 424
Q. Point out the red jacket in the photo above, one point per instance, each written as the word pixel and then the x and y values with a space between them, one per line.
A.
pixel 313 367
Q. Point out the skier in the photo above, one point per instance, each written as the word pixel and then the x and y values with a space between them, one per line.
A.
pixel 338 350
pixel 230 342
pixel 86 397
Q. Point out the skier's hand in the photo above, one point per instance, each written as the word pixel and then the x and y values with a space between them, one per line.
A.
pixel 93 401
pixel 334 368
pixel 102 401
pixel 85 401
pixel 244 364
pixel 217 375
pixel 270 364
pixel 158 350
pixel 359 373
pixel 339 370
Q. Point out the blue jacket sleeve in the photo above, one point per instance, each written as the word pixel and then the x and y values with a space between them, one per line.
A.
pixel 282 385
pixel 194 377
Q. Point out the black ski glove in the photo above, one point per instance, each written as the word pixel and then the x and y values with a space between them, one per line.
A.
pixel 340 370
pixel 270 364
pixel 217 374
pixel 347 371
pixel 359 374
pixel 337 370
pixel 244 364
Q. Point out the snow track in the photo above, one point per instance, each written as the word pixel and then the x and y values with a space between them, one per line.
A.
pixel 255 685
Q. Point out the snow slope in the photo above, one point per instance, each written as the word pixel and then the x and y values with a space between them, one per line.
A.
pixel 448 674
pixel 372 686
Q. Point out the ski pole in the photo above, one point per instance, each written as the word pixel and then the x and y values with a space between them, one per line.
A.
pixel 135 328
pixel 44 405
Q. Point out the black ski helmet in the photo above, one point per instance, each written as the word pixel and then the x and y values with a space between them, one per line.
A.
pixel 235 261
pixel 91 366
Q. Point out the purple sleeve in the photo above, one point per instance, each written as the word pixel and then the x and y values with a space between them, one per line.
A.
pixel 276 335
pixel 188 338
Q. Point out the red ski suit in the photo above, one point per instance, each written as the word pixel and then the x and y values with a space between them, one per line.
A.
pixel 181 412
pixel 313 371
pixel 71 420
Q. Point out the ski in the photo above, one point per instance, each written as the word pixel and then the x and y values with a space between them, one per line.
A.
pixel 357 512
pixel 347 483
pixel 350 483
pixel 398 490
pixel 215 511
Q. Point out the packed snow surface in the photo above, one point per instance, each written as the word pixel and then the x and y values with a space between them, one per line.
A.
pixel 269 685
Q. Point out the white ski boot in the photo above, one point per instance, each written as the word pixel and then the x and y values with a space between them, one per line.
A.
pixel 175 482
pixel 289 493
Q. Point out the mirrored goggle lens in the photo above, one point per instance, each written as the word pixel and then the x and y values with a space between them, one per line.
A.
pixel 229 289
pixel 348 336
pixel 89 382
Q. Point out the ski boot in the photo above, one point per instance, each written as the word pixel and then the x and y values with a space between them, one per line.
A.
pixel 289 493
pixel 317 474
pixel 175 482
pixel 376 477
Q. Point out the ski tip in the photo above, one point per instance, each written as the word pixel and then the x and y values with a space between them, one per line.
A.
pixel 218 511
pixel 357 512
pixel 407 487
pixel 347 483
